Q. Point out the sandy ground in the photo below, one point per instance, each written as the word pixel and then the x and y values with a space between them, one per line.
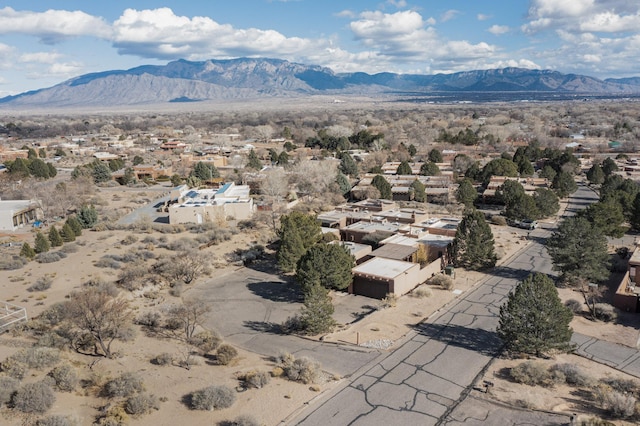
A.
pixel 271 404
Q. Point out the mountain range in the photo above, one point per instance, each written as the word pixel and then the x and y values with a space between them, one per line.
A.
pixel 251 78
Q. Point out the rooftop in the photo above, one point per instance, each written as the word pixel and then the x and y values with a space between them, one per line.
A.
pixel 383 268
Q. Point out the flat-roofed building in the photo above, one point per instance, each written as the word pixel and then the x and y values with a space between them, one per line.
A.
pixel 379 276
pixel 15 214
pixel 209 205
pixel 357 232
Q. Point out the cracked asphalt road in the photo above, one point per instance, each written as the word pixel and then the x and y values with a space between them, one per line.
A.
pixel 426 379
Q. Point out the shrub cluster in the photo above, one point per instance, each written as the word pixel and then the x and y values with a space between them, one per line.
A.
pixel 213 398
pixel 34 398
pixel 55 421
pixel 142 403
pixel 41 284
pixel 125 385
pixel 65 377
pixel 442 280
pixel 303 369
pixel 50 256
pixel 12 263
pixel 255 379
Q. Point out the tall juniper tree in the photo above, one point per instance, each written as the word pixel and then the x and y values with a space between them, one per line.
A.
pixel 474 246
pixel 534 320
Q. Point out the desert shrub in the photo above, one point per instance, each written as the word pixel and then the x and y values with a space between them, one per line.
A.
pixel 499 220
pixel 37 357
pixel 70 248
pixel 241 420
pixel 124 385
pixel 225 354
pixel 34 398
pixel 303 370
pixel 164 358
pixel 50 256
pixel 129 239
pixel 65 377
pixel 256 379
pixel 213 398
pixel 422 292
pixel 534 373
pixel 149 240
pixel 131 276
pixel 114 416
pixel 618 404
pixel 622 385
pixel 442 280
pixel 284 358
pixel 11 263
pixel 8 386
pixel 13 368
pixel 390 300
pixel 176 289
pixel 149 319
pixel 181 244
pixel 574 305
pixel 55 421
pixel 573 374
pixel 107 262
pixel 41 284
pixel 143 403
pixel 206 341
pixel 605 312
pixel 53 315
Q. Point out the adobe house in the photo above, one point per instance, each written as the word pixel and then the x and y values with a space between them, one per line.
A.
pixel 210 205
pixel 15 214
pixel 628 292
pixel 378 277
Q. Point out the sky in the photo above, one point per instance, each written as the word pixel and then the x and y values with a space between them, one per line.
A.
pixel 45 42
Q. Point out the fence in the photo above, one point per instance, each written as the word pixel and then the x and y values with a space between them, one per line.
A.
pixel 11 314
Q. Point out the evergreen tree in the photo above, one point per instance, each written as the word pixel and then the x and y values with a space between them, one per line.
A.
pixel 52 170
pixel 39 169
pixel 382 185
pixel 316 315
pixel 137 160
pixel 204 171
pixel 100 172
pixel 176 180
pixel 298 231
pixel 42 153
pixel 54 237
pixel 41 244
pixel 32 154
pixel 343 184
pixel 75 225
pixel 595 175
pixel 435 156
pixel 466 193
pixel 547 202
pixel 473 245
pixel 283 159
pixel 411 149
pixel 128 177
pixel 547 172
pixel 579 250
pixel 498 167
pixel 635 213
pixel 347 165
pixel 534 320
pixel 609 166
pixel 115 164
pixel 27 251
pixel 87 216
pixel 328 265
pixel 419 191
pixel 564 185
pixel 19 167
pixel 404 168
pixel 253 162
pixel 429 169
pixel 68 234
pixel 607 216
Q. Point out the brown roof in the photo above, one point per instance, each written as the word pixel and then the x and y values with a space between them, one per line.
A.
pixel 394 251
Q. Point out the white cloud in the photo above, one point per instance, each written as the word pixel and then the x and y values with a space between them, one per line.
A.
pixel 159 33
pixel 483 17
pixel 40 57
pixel 52 26
pixel 498 29
pixel 397 3
pixel 449 15
pixel 610 22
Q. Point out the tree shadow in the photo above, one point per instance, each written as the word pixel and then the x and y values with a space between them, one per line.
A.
pixel 482 341
pixel 264 327
pixel 508 272
pixel 276 291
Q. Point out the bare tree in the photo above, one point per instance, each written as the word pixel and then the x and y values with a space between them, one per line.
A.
pixel 99 315
pixel 189 314
pixel 274 187
pixel 185 266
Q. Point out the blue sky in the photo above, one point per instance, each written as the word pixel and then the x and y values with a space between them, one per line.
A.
pixel 43 43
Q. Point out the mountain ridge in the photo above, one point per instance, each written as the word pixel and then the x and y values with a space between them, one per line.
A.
pixel 252 78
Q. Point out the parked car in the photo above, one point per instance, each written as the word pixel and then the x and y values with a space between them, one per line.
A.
pixel 524 224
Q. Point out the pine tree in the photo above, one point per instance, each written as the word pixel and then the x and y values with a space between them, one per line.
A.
pixel 347 165
pixel 419 191
pixel 435 156
pixel 579 250
pixel 534 320
pixel 404 169
pixel 473 245
pixel 382 185
pixel 54 237
pixel 87 216
pixel 100 172
pixel 41 244
pixel 27 251
pixel 298 231
pixel 595 175
pixel 343 183
pixel 253 162
pixel 429 168
pixel 316 315
pixel 466 193
pixel 328 265
pixel 68 234
pixel 75 224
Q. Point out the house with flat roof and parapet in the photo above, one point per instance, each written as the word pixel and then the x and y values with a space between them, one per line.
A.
pixel 379 276
pixel 627 296
pixel 361 252
pixel 359 231
pixel 16 214
pixel 209 205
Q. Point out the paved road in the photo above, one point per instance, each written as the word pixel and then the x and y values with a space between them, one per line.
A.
pixel 426 378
